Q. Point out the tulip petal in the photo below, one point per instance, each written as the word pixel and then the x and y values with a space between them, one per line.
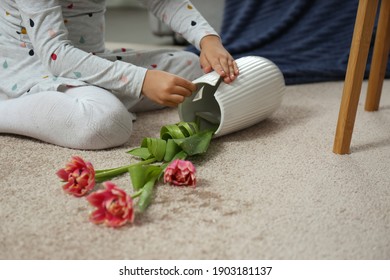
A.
pixel 114 206
pixel 180 173
pixel 62 174
pixel 97 216
pixel 80 176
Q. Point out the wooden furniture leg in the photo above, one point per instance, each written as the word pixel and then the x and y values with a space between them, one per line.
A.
pixel 379 59
pixel 361 40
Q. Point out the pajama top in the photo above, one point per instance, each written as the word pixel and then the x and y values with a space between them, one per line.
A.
pixel 54 44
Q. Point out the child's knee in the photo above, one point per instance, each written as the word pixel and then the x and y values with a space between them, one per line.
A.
pixel 102 122
pixel 107 128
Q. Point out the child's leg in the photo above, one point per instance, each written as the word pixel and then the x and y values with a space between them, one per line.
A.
pixel 81 118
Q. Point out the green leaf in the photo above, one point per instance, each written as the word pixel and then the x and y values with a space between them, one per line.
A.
pixel 155 146
pixel 140 152
pixel 140 174
pixel 171 131
pixel 153 171
pixel 137 176
pixel 107 174
pixel 180 155
pixel 207 119
pixel 146 195
pixel 104 170
pixel 172 150
pixel 179 130
pixel 102 179
pixel 188 128
pixel 195 144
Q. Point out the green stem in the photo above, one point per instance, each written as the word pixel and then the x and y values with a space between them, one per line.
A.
pixel 103 175
pixel 137 194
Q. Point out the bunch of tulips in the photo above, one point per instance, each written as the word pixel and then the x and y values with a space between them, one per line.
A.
pixel 163 158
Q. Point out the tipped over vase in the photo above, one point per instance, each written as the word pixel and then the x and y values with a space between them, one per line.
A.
pixel 255 94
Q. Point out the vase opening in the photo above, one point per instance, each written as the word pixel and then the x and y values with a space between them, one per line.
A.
pixel 202 108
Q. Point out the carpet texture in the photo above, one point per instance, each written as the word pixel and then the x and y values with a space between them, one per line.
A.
pixel 273 191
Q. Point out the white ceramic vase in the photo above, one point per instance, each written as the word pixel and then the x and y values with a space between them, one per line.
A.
pixel 253 96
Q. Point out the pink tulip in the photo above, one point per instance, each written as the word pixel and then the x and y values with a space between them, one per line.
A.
pixel 114 206
pixel 180 173
pixel 79 175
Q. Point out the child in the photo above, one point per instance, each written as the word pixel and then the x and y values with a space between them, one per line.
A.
pixel 60 85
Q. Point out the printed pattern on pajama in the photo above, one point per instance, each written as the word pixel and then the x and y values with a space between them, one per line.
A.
pixel 54 44
pixel 60 85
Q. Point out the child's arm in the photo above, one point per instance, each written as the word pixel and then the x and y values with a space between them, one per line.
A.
pixel 184 19
pixel 48 34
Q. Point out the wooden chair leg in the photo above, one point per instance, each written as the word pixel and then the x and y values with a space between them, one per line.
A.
pixel 361 40
pixel 379 59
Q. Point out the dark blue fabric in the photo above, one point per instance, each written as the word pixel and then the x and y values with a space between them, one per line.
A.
pixel 309 40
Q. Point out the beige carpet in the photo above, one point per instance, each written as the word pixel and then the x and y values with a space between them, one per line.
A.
pixel 273 191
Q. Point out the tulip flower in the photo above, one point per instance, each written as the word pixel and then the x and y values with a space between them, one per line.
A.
pixel 180 173
pixel 162 157
pixel 79 175
pixel 114 206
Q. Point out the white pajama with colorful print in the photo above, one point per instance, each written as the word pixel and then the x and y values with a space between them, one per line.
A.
pixel 60 85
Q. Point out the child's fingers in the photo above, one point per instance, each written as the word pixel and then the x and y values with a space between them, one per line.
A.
pixel 185 84
pixel 225 66
pixel 176 98
pixel 205 65
pixel 235 67
pixel 226 69
pixel 172 100
pixel 232 71
pixel 182 91
pixel 170 104
pixel 207 69
pixel 218 68
pixel 227 80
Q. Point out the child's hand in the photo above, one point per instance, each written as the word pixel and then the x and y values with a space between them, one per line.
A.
pixel 214 56
pixel 165 88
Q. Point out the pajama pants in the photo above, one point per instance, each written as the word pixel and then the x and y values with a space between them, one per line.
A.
pixel 87 117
